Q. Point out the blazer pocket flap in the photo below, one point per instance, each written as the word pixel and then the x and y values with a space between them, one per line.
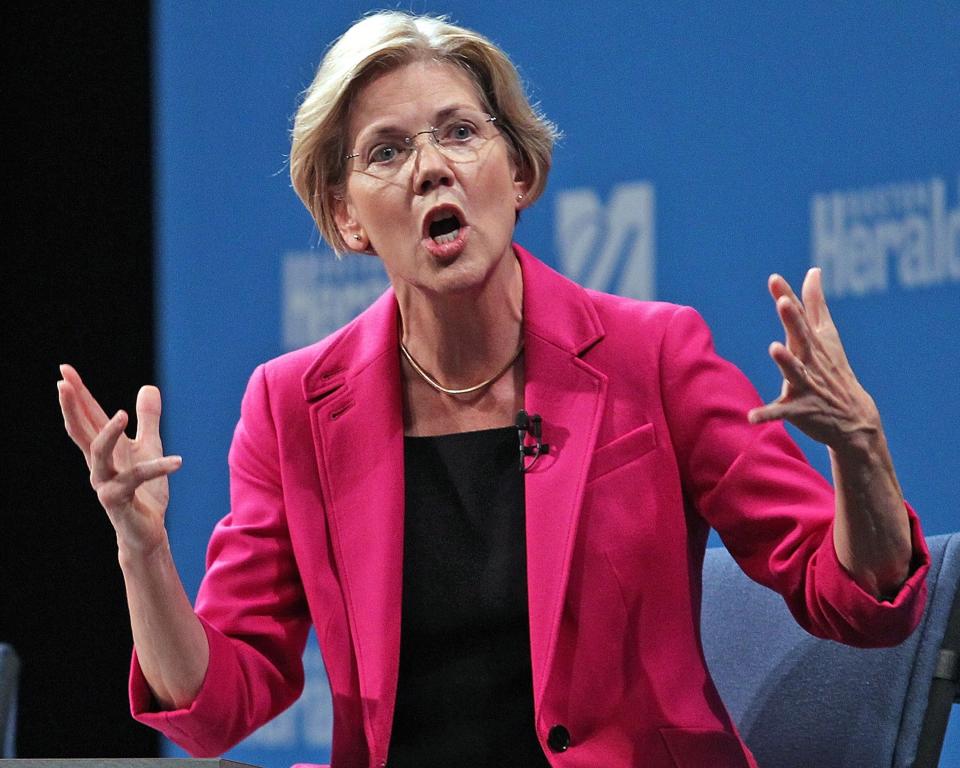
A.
pixel 699 747
pixel 622 450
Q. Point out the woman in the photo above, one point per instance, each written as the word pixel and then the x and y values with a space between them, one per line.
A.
pixel 472 611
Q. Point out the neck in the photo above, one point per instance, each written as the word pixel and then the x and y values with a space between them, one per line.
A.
pixel 463 338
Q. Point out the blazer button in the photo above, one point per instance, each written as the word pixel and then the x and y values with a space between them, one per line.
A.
pixel 558 739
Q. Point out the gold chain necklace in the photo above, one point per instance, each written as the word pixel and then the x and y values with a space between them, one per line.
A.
pixel 440 388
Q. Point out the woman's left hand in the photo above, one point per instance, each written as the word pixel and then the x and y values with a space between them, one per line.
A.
pixel 822 398
pixel 821 395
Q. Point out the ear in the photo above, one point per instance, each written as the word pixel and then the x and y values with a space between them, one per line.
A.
pixel 350 229
pixel 521 186
pixel 522 180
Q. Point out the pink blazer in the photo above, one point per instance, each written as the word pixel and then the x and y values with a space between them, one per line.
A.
pixel 650 446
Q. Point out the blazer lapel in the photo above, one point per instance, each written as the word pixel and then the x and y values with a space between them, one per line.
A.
pixel 560 324
pixel 357 423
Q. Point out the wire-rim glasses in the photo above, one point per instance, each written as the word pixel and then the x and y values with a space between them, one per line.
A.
pixel 458 137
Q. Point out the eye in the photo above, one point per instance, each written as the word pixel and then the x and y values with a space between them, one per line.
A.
pixel 384 154
pixel 458 132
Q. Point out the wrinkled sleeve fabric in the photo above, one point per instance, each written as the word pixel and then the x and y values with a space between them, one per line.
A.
pixel 772 510
pixel 251 602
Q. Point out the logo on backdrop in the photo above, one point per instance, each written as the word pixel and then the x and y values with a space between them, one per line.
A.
pixel 322 293
pixel 894 233
pixel 608 247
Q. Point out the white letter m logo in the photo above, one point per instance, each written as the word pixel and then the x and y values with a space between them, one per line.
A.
pixel 609 249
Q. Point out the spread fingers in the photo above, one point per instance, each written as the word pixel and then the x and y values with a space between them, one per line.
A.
pixel 120 489
pixel 102 466
pixel 85 400
pixel 75 420
pixel 793 370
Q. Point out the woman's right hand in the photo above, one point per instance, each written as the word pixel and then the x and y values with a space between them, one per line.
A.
pixel 129 476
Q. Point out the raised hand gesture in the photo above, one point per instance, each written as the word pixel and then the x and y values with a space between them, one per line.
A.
pixel 129 476
pixel 821 395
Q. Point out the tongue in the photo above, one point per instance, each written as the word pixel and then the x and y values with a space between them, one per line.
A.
pixel 444 226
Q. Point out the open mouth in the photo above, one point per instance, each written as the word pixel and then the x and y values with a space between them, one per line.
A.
pixel 444 225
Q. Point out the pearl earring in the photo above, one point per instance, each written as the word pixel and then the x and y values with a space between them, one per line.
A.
pixel 357 237
pixel 519 198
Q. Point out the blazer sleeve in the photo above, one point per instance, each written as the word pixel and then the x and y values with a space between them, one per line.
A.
pixel 251 602
pixel 774 512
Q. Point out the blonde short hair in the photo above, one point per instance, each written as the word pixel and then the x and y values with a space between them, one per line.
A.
pixel 377 44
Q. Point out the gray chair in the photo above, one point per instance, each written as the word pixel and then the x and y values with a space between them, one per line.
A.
pixel 800 701
pixel 9 677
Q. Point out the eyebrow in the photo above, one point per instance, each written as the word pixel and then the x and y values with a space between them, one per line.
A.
pixel 393 129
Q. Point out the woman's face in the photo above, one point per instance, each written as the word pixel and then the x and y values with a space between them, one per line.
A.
pixel 393 215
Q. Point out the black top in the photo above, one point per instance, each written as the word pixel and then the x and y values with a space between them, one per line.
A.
pixel 465 691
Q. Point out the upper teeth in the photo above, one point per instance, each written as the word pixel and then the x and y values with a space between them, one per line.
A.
pixel 440 215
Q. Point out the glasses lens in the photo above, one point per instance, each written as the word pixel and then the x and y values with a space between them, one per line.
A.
pixel 462 134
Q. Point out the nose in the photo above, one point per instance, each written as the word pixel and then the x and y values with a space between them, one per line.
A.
pixel 431 167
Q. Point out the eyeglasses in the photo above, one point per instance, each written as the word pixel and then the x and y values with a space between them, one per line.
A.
pixel 459 138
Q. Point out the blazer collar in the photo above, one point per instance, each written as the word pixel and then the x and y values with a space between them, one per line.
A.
pixel 371 334
pixel 555 309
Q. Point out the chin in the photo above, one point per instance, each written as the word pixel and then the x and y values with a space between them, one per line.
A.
pixel 459 277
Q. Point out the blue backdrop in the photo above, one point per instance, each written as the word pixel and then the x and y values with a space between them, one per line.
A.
pixel 706 145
